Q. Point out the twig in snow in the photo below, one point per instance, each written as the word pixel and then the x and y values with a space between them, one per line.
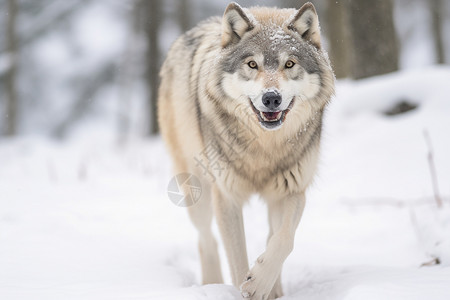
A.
pixel 422 240
pixel 433 262
pixel 432 169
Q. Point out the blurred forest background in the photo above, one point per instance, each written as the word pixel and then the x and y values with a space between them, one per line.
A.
pixel 67 66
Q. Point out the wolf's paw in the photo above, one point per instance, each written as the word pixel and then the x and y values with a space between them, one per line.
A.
pixel 254 288
pixel 248 288
pixel 261 283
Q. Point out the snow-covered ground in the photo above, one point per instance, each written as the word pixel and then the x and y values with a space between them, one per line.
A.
pixel 88 219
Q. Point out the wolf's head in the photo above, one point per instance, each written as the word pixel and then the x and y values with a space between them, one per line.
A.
pixel 272 60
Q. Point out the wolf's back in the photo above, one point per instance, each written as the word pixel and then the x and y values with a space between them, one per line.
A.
pixel 187 65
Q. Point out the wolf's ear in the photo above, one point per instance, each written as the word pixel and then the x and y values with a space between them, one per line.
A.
pixel 235 24
pixel 306 23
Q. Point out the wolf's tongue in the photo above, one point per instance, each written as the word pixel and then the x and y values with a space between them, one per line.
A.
pixel 271 116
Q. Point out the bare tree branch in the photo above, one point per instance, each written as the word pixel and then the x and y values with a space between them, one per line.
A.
pixel 433 173
pixel 48 20
pixel 96 82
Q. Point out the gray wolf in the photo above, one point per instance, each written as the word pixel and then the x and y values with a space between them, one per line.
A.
pixel 240 106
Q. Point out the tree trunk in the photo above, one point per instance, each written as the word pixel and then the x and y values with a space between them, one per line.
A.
pixel 338 37
pixel 436 8
pixel 374 41
pixel 184 16
pixel 11 92
pixel 130 65
pixel 292 4
pixel 152 26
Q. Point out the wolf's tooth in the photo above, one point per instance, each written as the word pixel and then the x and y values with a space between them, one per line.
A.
pixel 263 117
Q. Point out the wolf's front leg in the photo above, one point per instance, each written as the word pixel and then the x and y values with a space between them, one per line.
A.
pixel 285 215
pixel 228 214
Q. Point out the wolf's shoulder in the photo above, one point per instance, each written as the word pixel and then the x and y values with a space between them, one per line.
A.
pixel 196 42
pixel 203 31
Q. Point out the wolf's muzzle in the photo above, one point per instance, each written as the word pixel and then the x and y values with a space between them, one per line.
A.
pixel 272 119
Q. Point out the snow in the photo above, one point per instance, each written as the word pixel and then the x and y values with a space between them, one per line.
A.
pixel 90 219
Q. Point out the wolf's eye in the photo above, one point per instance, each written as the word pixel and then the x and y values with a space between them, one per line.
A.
pixel 252 64
pixel 289 64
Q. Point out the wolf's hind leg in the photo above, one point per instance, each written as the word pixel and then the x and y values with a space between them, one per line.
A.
pixel 201 214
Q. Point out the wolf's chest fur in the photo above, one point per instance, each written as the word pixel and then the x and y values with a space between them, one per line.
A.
pixel 272 160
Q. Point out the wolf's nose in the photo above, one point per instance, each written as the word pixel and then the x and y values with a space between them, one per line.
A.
pixel 271 100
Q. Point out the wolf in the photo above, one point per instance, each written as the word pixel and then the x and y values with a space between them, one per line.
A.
pixel 241 105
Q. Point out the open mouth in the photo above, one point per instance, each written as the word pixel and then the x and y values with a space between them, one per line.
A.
pixel 272 120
